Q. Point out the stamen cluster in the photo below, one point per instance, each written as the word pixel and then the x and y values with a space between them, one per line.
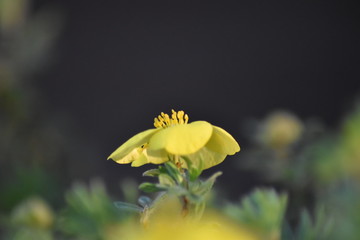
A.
pixel 164 120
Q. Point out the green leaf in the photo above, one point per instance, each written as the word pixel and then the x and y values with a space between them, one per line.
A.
pixel 166 180
pixel 199 208
pixel 127 206
pixel 206 186
pixel 178 191
pixel 262 210
pixel 304 230
pixel 151 173
pixel 88 210
pixel 286 232
pixel 173 172
pixel 318 228
pixel 151 187
pixel 162 169
pixel 144 201
pixel 194 198
pixel 194 172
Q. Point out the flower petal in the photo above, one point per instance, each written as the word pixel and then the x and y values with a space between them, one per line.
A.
pixel 157 157
pixel 204 158
pixel 128 152
pixel 182 139
pixel 222 142
pixel 141 160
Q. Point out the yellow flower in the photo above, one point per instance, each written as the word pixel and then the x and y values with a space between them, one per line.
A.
pixel 209 228
pixel 168 223
pixel 173 138
pixel 33 212
pixel 281 129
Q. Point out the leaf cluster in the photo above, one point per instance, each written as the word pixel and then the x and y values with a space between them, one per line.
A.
pixel 263 211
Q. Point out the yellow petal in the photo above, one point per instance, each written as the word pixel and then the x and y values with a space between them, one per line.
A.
pixel 182 139
pixel 205 158
pixel 141 160
pixel 222 142
pixel 130 157
pixel 127 152
pixel 157 156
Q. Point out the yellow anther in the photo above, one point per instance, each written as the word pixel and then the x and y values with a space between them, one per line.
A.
pixel 164 120
pixel 173 115
pixel 157 123
pixel 167 119
pixel 180 116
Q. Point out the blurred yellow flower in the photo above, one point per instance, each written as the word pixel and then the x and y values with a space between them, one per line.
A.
pixel 173 137
pixel 33 212
pixel 281 129
pixel 166 221
pixel 196 231
pixel 211 227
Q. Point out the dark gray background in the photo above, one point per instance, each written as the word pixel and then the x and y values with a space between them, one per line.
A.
pixel 120 63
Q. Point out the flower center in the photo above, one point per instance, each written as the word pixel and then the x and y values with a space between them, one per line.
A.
pixel 164 120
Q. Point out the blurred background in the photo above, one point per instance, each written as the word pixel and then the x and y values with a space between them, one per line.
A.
pixel 78 78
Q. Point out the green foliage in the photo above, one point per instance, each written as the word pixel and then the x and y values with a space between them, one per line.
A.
pixel 151 187
pixel 128 206
pixel 343 206
pixel 152 173
pixel 193 171
pixel 318 228
pixel 26 182
pixel 263 210
pixel 182 183
pixel 27 233
pixel 89 212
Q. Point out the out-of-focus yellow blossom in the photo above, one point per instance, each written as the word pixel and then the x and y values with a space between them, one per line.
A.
pixel 167 222
pixel 199 231
pixel 12 14
pixel 33 212
pixel 211 227
pixel 281 129
pixel 172 138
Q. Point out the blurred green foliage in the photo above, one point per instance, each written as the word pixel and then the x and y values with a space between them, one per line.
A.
pixel 90 213
pixel 30 141
pixel 262 211
pixel 321 227
pixel 37 151
pixel 319 168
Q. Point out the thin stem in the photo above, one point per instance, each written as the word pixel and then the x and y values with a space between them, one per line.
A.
pixel 185 209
